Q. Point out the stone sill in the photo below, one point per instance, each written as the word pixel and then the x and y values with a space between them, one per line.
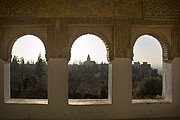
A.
pixel 151 101
pixel 89 101
pixel 28 101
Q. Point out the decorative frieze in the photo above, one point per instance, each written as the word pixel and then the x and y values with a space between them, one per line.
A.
pixel 138 21
pixel 91 8
pixel 23 21
pixel 58 45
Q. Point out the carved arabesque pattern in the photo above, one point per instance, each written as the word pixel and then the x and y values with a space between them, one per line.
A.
pixel 91 8
pixel 138 21
pixel 57 44
pixel 20 8
pixel 24 21
pixel 158 9
pixel 125 39
pixel 177 41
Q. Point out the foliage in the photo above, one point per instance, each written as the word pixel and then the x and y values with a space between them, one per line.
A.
pixel 148 88
pixel 28 80
pixel 85 80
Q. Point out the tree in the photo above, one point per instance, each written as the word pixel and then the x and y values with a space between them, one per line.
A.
pixel 79 74
pixel 40 67
pixel 149 88
pixel 104 91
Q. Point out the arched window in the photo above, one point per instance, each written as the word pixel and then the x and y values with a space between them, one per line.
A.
pixel 28 69
pixel 88 69
pixel 147 77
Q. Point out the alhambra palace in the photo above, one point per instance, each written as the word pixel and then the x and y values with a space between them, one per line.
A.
pixel 119 23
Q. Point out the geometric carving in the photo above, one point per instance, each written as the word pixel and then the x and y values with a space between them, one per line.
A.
pixel 161 9
pixel 91 8
pixel 125 32
pixel 122 39
pixel 58 33
pixel 24 21
pixel 177 41
pixel 20 8
pixel 57 38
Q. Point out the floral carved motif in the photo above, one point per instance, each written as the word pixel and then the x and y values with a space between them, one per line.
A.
pixel 20 8
pixel 161 9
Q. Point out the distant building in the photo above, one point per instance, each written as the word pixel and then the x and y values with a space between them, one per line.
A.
pixel 88 62
pixel 141 71
pixel 146 69
pixel 136 64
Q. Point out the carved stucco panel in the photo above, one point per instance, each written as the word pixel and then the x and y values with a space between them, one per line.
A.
pixel 117 40
pixel 91 8
pixel 161 33
pixel 1 41
pixel 23 21
pixel 122 39
pixel 161 9
pixel 177 41
pixel 57 38
pixel 125 39
pixel 20 8
pixel 12 33
pixel 160 22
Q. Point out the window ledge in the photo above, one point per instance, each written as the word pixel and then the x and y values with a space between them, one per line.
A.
pixel 89 101
pixel 151 101
pixel 27 101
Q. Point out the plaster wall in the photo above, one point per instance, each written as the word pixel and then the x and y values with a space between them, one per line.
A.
pixel 121 107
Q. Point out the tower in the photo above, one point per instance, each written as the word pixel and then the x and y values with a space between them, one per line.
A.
pixel 88 58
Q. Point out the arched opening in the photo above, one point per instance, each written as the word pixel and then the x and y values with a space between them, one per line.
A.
pixel 88 69
pixel 147 72
pixel 28 69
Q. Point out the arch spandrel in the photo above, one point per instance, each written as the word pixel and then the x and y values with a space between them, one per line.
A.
pixel 104 38
pixel 12 34
pixel 163 40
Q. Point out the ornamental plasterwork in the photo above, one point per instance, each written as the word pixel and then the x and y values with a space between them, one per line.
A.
pixel 19 8
pixel 57 35
pixel 23 21
pixel 1 42
pixel 90 8
pixel 177 41
pixel 125 39
pixel 161 9
pixel 138 21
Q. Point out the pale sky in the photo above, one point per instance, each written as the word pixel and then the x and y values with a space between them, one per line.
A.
pixel 29 47
pixel 148 49
pixel 88 44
